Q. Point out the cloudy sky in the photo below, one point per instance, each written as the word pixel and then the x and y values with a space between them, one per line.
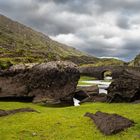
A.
pixel 103 28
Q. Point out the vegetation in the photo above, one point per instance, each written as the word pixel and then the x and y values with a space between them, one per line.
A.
pixel 19 43
pixel 107 73
pixel 83 79
pixel 64 123
pixel 135 62
pixel 106 62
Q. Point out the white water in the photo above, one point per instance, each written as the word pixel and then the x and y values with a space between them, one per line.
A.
pixel 76 102
pixel 102 85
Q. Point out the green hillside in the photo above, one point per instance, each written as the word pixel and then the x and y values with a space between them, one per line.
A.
pixel 19 43
pixel 106 62
pixel 135 62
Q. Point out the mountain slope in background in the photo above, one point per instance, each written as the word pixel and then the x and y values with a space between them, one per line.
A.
pixel 18 41
pixel 136 61
pixel 21 44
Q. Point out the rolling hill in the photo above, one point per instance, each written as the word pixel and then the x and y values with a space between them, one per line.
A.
pixel 136 61
pixel 21 44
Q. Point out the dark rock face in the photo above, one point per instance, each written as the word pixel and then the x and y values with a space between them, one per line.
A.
pixel 85 92
pixel 14 111
pixel 110 124
pixel 95 98
pixel 98 72
pixel 126 88
pixel 53 81
pixel 89 90
pixel 89 94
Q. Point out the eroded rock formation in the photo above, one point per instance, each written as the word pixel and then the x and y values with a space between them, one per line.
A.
pixel 89 94
pixel 52 81
pixel 126 88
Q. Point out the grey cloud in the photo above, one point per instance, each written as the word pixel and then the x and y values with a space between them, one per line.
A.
pixel 124 5
pixel 131 48
pixel 123 22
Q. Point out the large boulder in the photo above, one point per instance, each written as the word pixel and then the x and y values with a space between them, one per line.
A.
pixel 52 82
pixel 110 124
pixel 126 88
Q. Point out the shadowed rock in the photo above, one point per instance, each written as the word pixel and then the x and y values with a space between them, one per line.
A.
pixel 85 92
pixel 14 111
pixel 52 81
pixel 98 72
pixel 110 124
pixel 96 98
pixel 89 94
pixel 126 88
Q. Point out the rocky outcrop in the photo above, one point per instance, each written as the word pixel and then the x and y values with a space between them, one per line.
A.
pixel 89 94
pixel 136 61
pixel 14 111
pixel 53 81
pixel 126 88
pixel 96 98
pixel 110 124
pixel 98 72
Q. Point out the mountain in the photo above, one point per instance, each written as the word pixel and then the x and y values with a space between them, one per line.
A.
pixel 135 62
pixel 21 44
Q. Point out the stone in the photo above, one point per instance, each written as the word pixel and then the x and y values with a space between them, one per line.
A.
pixel 110 124
pixel 89 94
pixel 14 111
pixel 126 88
pixel 90 90
pixel 96 98
pixel 53 81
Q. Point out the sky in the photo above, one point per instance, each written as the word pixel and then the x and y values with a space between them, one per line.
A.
pixel 102 28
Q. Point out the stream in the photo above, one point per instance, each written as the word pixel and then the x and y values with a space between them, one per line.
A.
pixel 102 85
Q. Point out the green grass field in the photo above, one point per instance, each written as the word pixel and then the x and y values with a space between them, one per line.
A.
pixel 64 123
pixel 85 78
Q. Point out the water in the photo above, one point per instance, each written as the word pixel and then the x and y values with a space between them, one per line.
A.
pixel 76 102
pixel 102 84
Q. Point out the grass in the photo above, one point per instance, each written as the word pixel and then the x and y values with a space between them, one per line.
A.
pixel 64 123
pixel 85 78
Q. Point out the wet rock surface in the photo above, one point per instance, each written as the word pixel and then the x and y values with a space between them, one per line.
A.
pixel 14 111
pixel 95 98
pixel 110 124
pixel 126 88
pixel 53 81
pixel 90 90
pixel 85 92
pixel 89 94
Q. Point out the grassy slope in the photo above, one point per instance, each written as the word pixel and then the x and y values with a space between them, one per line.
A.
pixel 107 62
pixel 85 78
pixel 136 61
pixel 65 123
pixel 19 43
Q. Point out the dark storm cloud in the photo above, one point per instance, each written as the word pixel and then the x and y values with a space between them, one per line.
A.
pixel 123 22
pixel 128 5
pixel 99 27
